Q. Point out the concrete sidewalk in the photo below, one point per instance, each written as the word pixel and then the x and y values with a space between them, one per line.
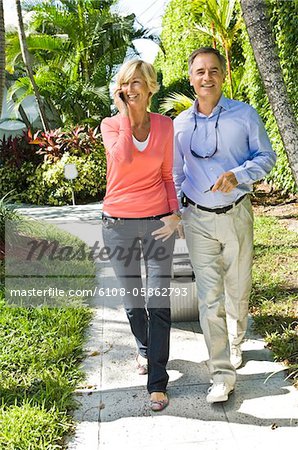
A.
pixel 262 413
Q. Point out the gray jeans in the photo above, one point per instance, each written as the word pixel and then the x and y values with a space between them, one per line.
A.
pixel 147 307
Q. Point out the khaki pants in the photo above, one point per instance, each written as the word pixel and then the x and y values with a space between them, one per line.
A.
pixel 221 249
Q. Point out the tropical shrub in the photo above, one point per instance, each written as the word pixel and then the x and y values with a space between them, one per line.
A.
pixel 41 180
pixel 17 179
pixel 18 159
pixel 48 186
pixel 78 140
pixel 80 146
pixel 175 103
pixel 17 150
pixel 7 213
pixel 283 18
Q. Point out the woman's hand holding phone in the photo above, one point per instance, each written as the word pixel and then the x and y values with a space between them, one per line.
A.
pixel 120 102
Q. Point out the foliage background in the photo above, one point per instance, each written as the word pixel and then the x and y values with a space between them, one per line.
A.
pixel 76 49
pixel 179 38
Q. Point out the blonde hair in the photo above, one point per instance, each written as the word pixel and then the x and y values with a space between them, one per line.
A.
pixel 147 71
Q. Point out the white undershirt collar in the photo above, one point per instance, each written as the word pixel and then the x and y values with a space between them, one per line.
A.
pixel 141 145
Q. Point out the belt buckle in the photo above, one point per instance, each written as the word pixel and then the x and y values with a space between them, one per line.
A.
pixel 224 209
pixel 109 219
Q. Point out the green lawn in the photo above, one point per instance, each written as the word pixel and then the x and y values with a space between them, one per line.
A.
pixel 41 351
pixel 274 301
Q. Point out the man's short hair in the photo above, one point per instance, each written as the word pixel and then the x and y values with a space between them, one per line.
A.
pixel 206 50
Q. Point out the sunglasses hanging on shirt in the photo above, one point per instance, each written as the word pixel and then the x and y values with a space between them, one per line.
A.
pixel 196 153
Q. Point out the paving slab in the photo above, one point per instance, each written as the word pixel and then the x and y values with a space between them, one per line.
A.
pixel 180 421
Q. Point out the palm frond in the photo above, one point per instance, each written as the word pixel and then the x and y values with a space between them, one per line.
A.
pixel 175 103
pixel 212 13
pixel 21 89
pixel 45 42
pixel 99 93
pixel 51 18
pixel 226 8
pixel 208 32
pixel 13 51
pixel 238 80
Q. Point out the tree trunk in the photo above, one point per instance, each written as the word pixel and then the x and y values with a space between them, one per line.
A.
pixel 265 52
pixel 26 59
pixel 229 69
pixel 2 55
pixel 213 34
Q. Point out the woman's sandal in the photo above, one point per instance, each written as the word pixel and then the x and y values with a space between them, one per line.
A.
pixel 142 368
pixel 159 405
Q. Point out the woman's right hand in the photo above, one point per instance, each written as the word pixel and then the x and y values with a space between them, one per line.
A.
pixel 120 103
pixel 170 224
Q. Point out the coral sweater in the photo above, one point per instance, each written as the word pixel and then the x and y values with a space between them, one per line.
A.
pixel 139 184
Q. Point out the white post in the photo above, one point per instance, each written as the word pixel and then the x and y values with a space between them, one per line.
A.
pixel 72 194
pixel 70 173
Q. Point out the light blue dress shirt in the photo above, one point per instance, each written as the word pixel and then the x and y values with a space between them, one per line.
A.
pixel 243 148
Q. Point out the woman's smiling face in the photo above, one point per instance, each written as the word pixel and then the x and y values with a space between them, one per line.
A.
pixel 136 91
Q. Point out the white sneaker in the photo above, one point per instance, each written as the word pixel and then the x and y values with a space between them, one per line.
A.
pixel 219 392
pixel 236 356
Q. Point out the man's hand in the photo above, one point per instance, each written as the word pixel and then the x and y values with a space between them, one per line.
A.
pixel 225 183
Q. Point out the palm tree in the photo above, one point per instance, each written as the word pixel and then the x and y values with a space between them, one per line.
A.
pixel 2 55
pixel 265 52
pixel 219 14
pixel 75 45
pixel 26 59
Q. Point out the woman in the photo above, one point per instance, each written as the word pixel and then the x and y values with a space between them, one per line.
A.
pixel 140 215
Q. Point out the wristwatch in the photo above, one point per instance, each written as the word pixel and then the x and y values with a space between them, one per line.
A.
pixel 177 213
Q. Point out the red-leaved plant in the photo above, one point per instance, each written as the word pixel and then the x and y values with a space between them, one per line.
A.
pixel 14 151
pixel 53 144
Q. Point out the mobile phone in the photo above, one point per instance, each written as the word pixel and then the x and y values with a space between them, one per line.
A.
pixel 184 200
pixel 121 95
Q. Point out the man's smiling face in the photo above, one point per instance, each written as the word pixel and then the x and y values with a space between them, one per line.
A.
pixel 207 76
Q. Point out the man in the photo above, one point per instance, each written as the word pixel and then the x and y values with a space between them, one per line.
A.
pixel 221 149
